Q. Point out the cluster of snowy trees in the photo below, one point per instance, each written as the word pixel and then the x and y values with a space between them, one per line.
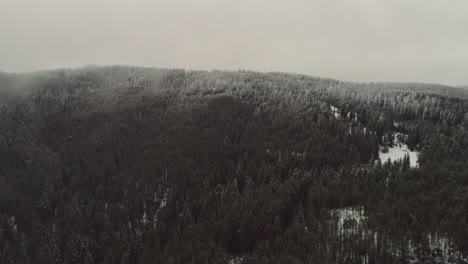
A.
pixel 138 165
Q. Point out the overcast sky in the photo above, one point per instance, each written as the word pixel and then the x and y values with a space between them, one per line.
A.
pixel 354 40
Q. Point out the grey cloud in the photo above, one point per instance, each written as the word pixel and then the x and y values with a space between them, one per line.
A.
pixel 355 40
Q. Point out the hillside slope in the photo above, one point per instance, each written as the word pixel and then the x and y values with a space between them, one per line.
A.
pixel 138 165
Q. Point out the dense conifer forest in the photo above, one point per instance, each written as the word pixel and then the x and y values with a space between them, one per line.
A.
pixel 125 165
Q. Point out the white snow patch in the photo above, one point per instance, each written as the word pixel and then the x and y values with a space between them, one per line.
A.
pixel 164 201
pixel 438 248
pixel 442 250
pixel 398 152
pixel 13 224
pixel 348 218
pixel 236 260
pixel 144 219
pixel 335 111
pixel 298 154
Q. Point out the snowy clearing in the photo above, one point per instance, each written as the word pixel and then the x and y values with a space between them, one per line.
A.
pixel 398 152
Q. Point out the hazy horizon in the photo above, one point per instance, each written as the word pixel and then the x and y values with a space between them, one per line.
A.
pixel 358 40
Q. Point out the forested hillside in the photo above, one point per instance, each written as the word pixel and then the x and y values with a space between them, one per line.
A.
pixel 138 165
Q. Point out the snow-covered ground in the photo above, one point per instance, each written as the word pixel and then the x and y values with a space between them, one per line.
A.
pixel 236 260
pixel 438 248
pixel 348 218
pixel 398 151
pixel 351 220
pixel 335 111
